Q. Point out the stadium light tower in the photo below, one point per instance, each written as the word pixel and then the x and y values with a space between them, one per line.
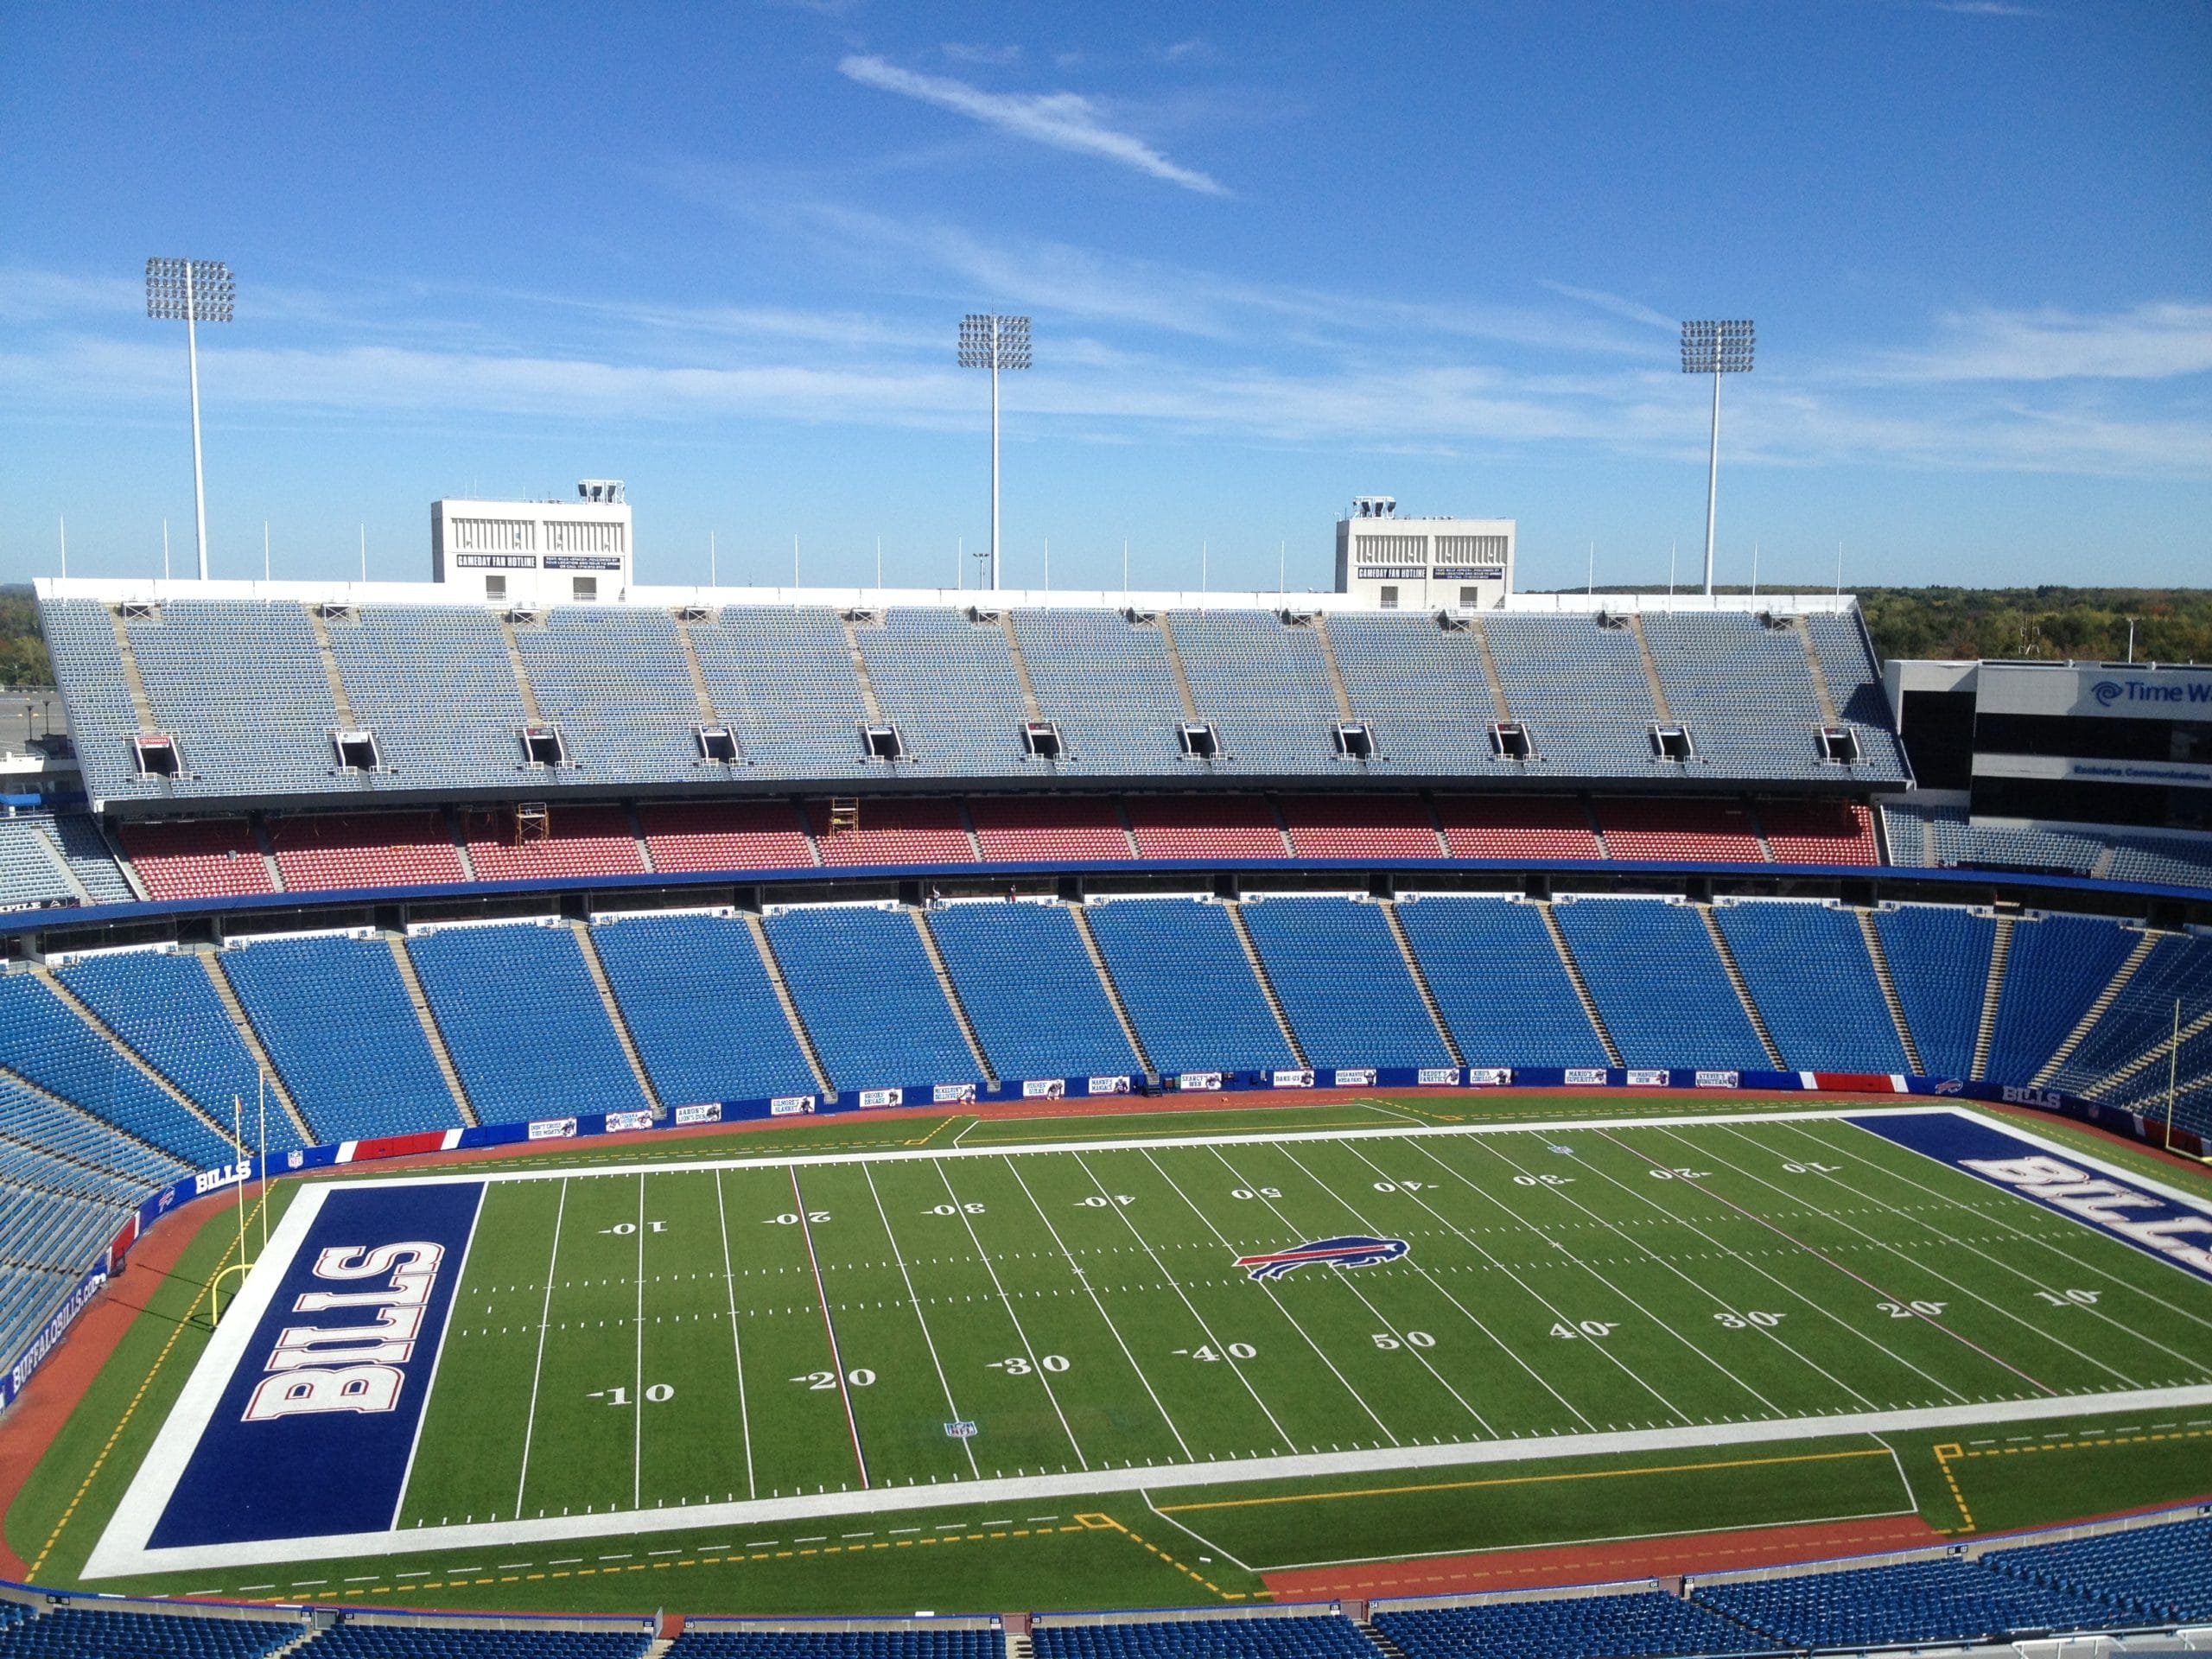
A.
pixel 1715 348
pixel 993 342
pixel 196 291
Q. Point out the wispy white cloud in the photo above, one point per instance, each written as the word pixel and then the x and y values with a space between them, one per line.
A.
pixel 2146 342
pixel 1988 9
pixel 1065 121
pixel 1634 310
pixel 998 57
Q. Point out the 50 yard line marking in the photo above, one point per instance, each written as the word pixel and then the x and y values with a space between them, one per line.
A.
pixel 545 1321
pixel 828 1325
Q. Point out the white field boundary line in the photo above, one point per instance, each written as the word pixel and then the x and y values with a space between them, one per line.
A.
pixel 117 1558
pixel 1160 1143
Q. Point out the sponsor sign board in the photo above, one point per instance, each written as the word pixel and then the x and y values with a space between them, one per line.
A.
pixel 790 1105
pixel 1489 1076
pixel 1106 1085
pixel 624 1122
pixel 1438 1074
pixel 1354 1077
pixel 2157 1222
pixel 873 1097
pixel 212 1180
pixel 1647 1079
pixel 1198 1082
pixel 1585 1077
pixel 1291 1079
pixel 959 1094
pixel 1719 1079
pixel 494 562
pixel 553 1128
pixel 582 562
pixel 50 1334
pixel 709 1112
pixel 1044 1088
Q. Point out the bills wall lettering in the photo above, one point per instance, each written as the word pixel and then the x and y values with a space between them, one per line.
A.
pixel 351 1367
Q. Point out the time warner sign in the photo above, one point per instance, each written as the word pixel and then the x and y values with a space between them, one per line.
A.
pixel 2098 691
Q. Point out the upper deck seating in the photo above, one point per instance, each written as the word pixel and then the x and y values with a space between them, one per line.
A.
pixel 1206 826
pixel 523 1022
pixel 614 679
pixel 948 684
pixel 1677 828
pixel 166 1009
pixel 380 849
pixel 1343 983
pixel 1030 991
pixel 1819 832
pixel 926 831
pixel 1497 976
pixel 334 1018
pixel 1580 691
pixel 87 666
pixel 1846 659
pixel 726 835
pixel 436 686
pixel 1018 828
pixel 1188 988
pixel 2057 967
pixel 1360 826
pixel 1264 685
pixel 1517 826
pixel 206 858
pixel 1423 689
pixel 578 841
pixel 1107 684
pixel 782 676
pixel 900 1029
pixel 1743 690
pixel 1811 979
pixel 1659 984
pixel 701 1008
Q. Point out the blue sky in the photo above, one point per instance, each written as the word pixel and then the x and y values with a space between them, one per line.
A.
pixel 1275 256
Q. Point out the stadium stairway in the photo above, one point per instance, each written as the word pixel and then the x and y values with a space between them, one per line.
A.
pixel 1081 917
pixel 1880 958
pixel 1243 932
pixel 227 995
pixel 589 949
pixel 83 1010
pixel 953 996
pixel 1421 982
pixel 1992 997
pixel 2136 957
pixel 1581 985
pixel 790 1005
pixel 1734 969
pixel 437 1038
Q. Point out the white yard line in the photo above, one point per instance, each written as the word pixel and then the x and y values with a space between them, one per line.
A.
pixel 1036 1369
pixel 736 1348
pixel 829 1328
pixel 915 1302
pixel 1084 1279
pixel 637 1395
pixel 445 1335
pixel 537 1370
pixel 1389 1326
pixel 119 1555
pixel 1268 1290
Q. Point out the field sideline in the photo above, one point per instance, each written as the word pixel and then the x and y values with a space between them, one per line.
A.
pixel 849 1334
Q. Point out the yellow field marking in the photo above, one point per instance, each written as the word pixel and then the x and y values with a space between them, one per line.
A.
pixel 1948 1454
pixel 943 1124
pixel 1102 1522
pixel 1518 1480
pixel 175 1332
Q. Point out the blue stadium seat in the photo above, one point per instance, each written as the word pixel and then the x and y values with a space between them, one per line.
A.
pixel 1030 991
pixel 1659 984
pixel 1186 982
pixel 1617 1626
pixel 1813 985
pixel 1947 1599
pixel 2058 965
pixel 1317 1635
pixel 2156 1574
pixel 868 996
pixel 1343 983
pixel 1939 961
pixel 1498 978
pixel 702 1008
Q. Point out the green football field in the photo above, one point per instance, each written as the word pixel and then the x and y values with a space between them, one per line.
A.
pixel 822 1353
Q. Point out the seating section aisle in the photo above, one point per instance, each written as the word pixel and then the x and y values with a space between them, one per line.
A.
pixel 1668 828
pixel 1360 826
pixel 1659 984
pixel 240 687
pixel 166 1008
pixel 523 1021
pixel 1813 985
pixel 1315 1635
pixel 1517 826
pixel 1946 1598
pixel 1847 659
pixel 895 832
pixel 1188 988
pixel 578 841
pixel 735 835
pixel 1820 832
pixel 1030 991
pixel 2058 966
pixel 1343 983
pixel 1580 690
pixel 702 1009
pixel 1619 1626
pixel 209 858
pixel 868 996
pixel 334 1017
pixel 42 1040
pixel 1939 961
pixel 1017 829
pixel 385 849
pixel 1206 826
pixel 1498 979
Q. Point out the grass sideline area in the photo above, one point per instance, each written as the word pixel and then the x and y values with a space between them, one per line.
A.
pixel 1132 1549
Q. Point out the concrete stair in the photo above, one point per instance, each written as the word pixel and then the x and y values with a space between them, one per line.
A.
pixel 799 1032
pixel 589 948
pixel 1421 983
pixel 227 995
pixel 952 994
pixel 2000 952
pixel 1082 918
pixel 1742 989
pixel 1880 957
pixel 428 1021
pixel 1581 985
pixel 1266 985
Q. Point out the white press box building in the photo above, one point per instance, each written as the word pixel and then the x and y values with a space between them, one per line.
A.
pixel 536 553
pixel 1396 563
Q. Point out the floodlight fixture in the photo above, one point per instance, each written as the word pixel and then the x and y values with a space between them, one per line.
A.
pixel 192 292
pixel 1715 348
pixel 993 342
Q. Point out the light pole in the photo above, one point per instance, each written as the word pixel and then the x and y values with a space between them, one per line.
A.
pixel 993 342
pixel 1715 348
pixel 197 291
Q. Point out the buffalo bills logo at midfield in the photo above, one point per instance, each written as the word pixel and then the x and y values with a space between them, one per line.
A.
pixel 1357 1250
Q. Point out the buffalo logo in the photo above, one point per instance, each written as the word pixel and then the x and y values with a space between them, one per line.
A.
pixel 1357 1251
pixel 2107 692
pixel 1950 1086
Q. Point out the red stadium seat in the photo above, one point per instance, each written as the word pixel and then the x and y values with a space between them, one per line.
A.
pixel 1360 826
pixel 1516 826
pixel 371 850
pixel 895 832
pixel 580 840
pixel 1679 828
pixel 1206 826
pixel 1015 828
pixel 210 859
pixel 740 836
pixel 1820 832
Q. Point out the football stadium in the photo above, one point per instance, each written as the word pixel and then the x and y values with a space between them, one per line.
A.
pixel 553 1122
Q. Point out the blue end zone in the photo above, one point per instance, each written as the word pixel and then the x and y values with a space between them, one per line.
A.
pixel 333 1457
pixel 2175 1232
